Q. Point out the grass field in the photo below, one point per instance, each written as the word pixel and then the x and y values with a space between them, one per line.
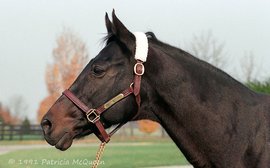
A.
pixel 117 155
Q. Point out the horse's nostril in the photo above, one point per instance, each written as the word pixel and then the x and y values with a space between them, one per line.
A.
pixel 46 126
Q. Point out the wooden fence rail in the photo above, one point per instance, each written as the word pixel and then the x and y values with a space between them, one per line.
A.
pixel 34 132
pixel 20 132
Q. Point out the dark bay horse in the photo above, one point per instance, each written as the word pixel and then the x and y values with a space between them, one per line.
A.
pixel 214 120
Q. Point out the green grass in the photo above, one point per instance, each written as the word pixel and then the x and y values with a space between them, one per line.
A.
pixel 129 155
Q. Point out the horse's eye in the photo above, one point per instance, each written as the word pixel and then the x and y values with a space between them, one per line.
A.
pixel 98 71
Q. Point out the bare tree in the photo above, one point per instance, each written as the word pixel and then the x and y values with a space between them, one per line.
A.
pixel 206 47
pixel 248 66
pixel 18 106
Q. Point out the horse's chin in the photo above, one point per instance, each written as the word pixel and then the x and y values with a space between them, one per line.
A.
pixel 65 142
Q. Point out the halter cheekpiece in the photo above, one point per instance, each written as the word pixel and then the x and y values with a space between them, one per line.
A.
pixel 93 115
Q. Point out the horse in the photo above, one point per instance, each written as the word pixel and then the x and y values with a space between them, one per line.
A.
pixel 214 120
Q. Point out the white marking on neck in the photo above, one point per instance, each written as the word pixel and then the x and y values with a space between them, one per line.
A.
pixel 141 46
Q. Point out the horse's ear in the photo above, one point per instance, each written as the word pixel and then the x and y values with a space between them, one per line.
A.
pixel 123 34
pixel 108 24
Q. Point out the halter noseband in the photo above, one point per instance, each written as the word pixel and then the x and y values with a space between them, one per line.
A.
pixel 93 115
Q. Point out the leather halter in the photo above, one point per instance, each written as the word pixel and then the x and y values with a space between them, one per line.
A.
pixel 93 115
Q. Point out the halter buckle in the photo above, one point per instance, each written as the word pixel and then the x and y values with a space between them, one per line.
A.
pixel 92 116
pixel 136 66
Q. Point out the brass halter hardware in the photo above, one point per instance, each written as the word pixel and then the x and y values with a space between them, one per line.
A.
pixel 92 116
pixel 113 100
pixel 139 68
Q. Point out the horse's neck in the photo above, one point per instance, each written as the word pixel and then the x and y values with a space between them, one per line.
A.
pixel 187 96
pixel 165 76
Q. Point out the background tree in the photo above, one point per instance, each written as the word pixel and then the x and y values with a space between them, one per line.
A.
pixel 26 126
pixel 206 47
pixel 6 116
pixel 1 119
pixel 69 58
pixel 249 68
pixel 18 106
pixel 147 126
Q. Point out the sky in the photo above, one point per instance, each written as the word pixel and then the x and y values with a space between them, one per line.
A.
pixel 28 30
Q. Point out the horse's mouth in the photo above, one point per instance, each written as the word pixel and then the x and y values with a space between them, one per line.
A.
pixel 67 139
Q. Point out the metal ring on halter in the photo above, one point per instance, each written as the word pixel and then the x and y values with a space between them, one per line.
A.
pixel 142 68
pixel 92 116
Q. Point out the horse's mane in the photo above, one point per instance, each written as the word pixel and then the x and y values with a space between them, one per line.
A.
pixel 177 53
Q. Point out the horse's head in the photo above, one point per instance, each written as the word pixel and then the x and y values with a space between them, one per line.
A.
pixel 108 74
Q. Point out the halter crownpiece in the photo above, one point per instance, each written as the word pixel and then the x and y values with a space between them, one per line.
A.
pixel 141 50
